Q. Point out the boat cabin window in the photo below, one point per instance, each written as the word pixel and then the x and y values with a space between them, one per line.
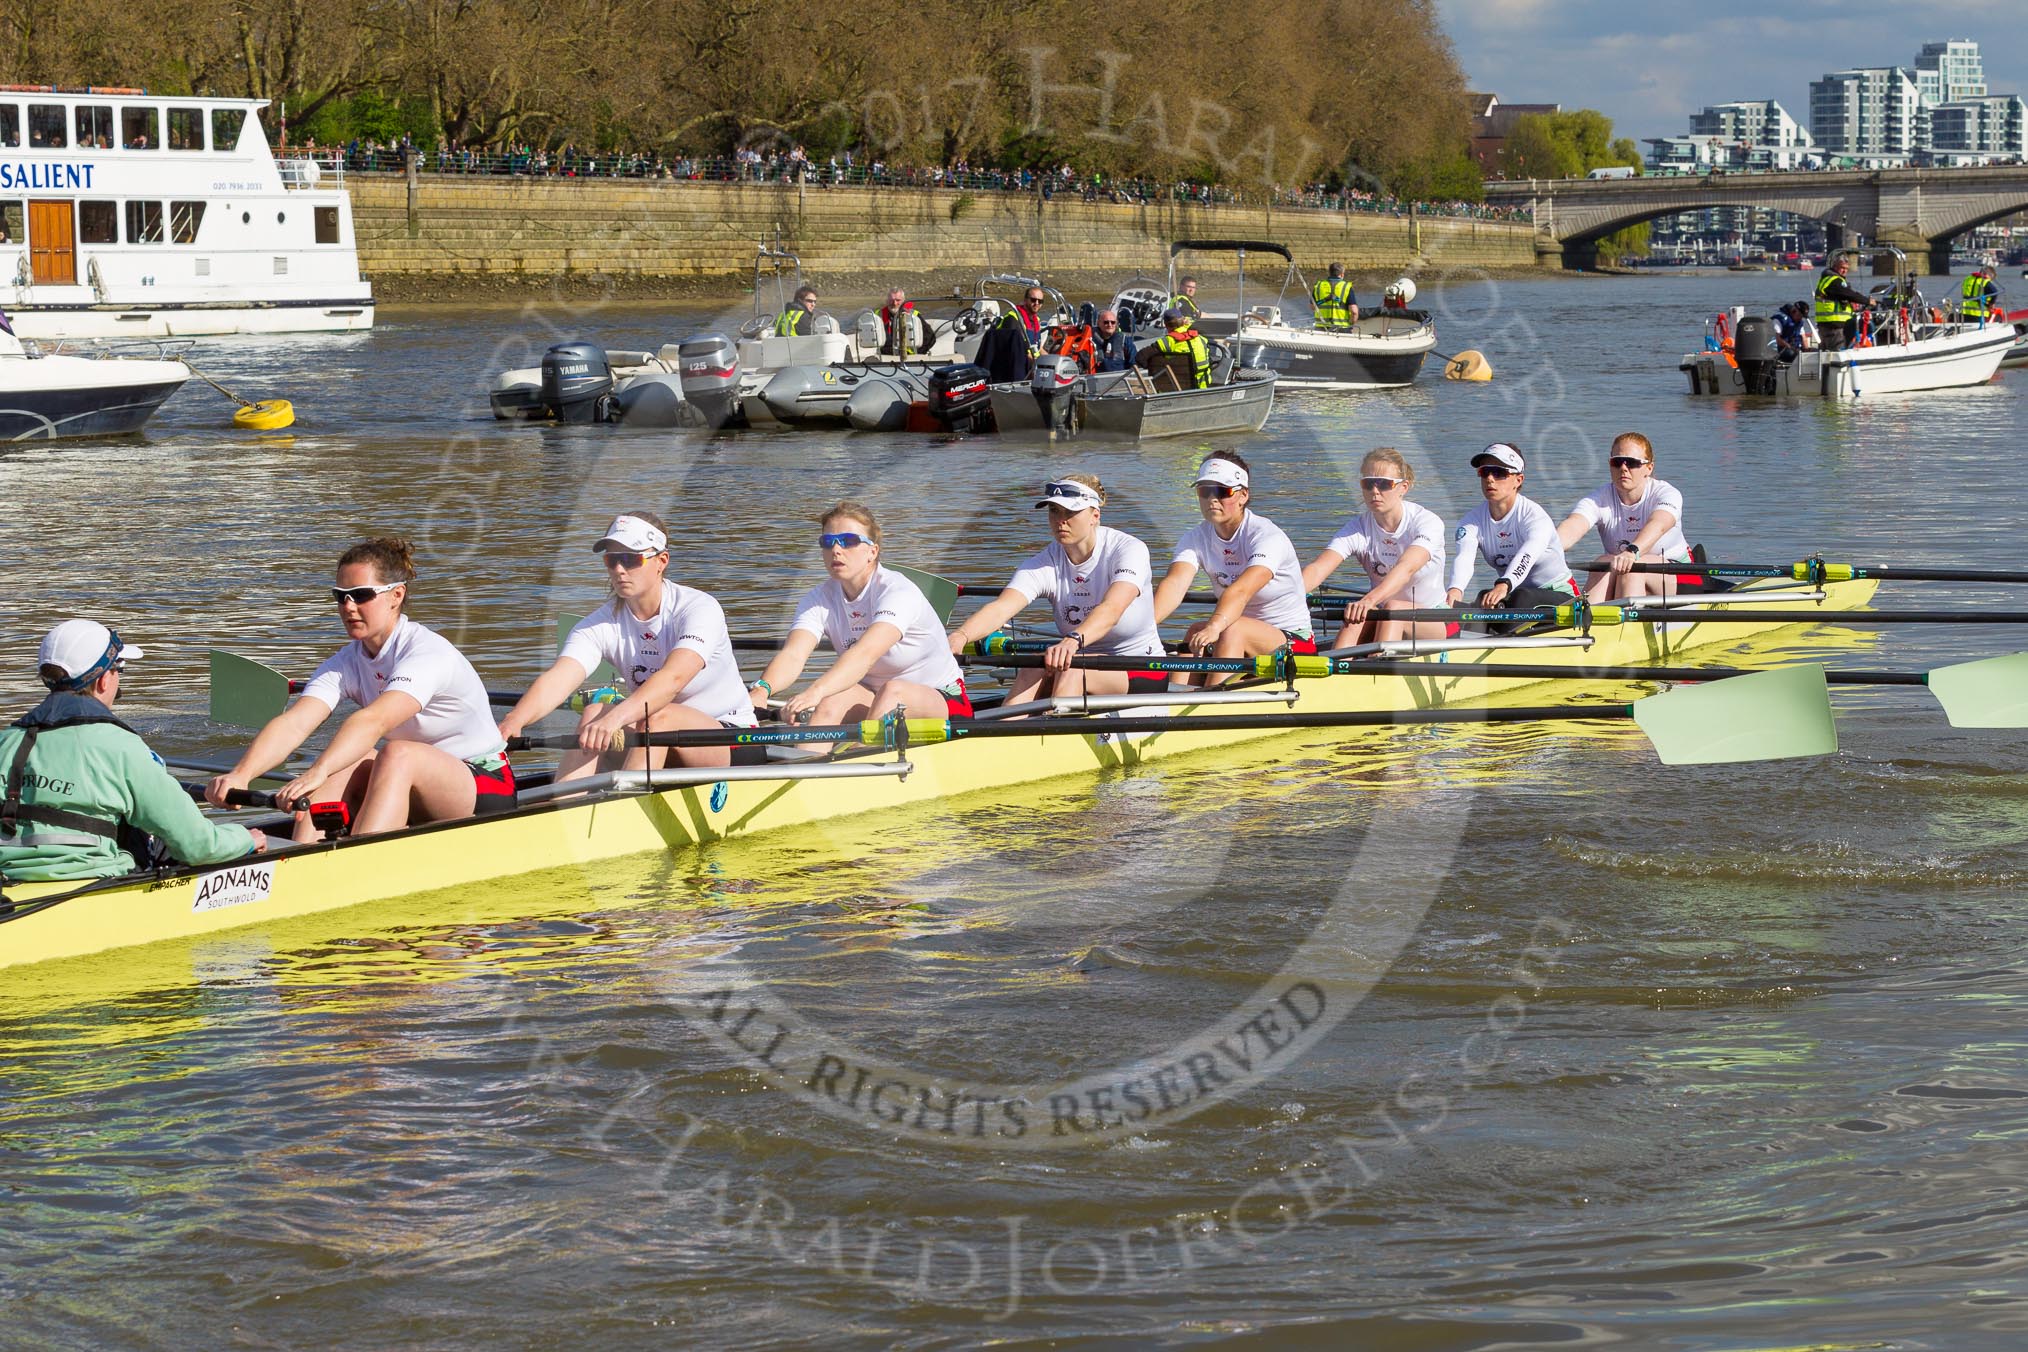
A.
pixel 46 130
pixel 144 222
pixel 137 129
pixel 186 129
pixel 184 218
pixel 327 225
pixel 10 124
pixel 94 126
pixel 98 222
pixel 12 223
pixel 225 126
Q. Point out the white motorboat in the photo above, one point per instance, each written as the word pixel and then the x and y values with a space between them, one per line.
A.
pixel 62 394
pixel 1908 346
pixel 125 214
pixel 1383 348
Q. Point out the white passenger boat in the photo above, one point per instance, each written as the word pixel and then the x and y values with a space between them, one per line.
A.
pixel 130 215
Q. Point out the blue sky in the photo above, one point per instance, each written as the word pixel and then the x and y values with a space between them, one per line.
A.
pixel 1648 66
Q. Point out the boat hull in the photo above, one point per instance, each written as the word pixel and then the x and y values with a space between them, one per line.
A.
pixel 1377 353
pixel 301 881
pixel 207 319
pixel 45 398
pixel 1112 410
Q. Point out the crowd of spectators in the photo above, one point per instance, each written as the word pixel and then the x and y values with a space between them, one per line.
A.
pixel 795 165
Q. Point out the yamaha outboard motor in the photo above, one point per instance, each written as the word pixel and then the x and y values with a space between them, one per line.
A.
pixel 709 365
pixel 961 398
pixel 1055 387
pixel 1755 349
pixel 577 383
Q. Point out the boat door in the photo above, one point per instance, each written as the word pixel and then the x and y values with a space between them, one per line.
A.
pixel 52 242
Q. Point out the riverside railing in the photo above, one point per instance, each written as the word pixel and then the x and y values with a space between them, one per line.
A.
pixel 569 166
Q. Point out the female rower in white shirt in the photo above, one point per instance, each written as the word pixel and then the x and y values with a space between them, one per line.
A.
pixel 1096 579
pixel 669 645
pixel 1401 547
pixel 1514 535
pixel 1639 520
pixel 1253 569
pixel 423 746
pixel 892 650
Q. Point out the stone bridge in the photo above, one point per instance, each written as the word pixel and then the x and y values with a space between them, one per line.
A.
pixel 1918 211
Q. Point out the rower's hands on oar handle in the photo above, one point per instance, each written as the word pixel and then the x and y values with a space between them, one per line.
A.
pixel 1494 595
pixel 1059 655
pixel 1203 636
pixel 604 733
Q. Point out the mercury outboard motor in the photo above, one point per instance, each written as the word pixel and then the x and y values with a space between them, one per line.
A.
pixel 1755 349
pixel 709 366
pixel 577 383
pixel 961 398
pixel 1055 387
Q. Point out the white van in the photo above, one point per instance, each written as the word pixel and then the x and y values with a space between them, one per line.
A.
pixel 1613 171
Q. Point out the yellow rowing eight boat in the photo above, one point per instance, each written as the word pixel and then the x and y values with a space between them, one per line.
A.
pixel 46 921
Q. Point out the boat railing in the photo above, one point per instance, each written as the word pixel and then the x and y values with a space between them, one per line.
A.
pixel 312 169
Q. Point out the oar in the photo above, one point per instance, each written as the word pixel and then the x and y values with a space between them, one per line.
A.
pixel 1574 616
pixel 1768 715
pixel 238 797
pixel 1991 692
pixel 1816 570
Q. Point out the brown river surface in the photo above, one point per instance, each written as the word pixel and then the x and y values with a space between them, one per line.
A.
pixel 1613 1053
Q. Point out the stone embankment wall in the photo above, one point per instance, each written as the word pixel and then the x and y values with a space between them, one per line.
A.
pixel 494 232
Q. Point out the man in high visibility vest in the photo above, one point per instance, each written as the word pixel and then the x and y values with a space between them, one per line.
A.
pixel 1182 350
pixel 1838 304
pixel 800 319
pixel 1332 302
pixel 1186 300
pixel 1980 296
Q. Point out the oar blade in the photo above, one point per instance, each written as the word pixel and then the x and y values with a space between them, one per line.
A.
pixel 566 623
pixel 1768 715
pixel 941 591
pixel 244 691
pixel 1989 693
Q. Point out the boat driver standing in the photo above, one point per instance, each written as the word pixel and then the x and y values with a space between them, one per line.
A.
pixel 1332 302
pixel 1838 303
pixel 83 792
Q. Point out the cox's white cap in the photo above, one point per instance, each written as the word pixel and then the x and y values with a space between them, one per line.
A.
pixel 1222 472
pixel 82 650
pixel 1070 495
pixel 1500 453
pixel 631 535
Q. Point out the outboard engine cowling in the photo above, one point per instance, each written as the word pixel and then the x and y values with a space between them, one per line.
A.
pixel 577 382
pixel 709 367
pixel 1755 349
pixel 961 398
pixel 1055 387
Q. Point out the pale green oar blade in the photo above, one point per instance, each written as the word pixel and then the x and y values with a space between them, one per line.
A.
pixel 941 591
pixel 1990 693
pixel 1769 715
pixel 244 691
pixel 566 623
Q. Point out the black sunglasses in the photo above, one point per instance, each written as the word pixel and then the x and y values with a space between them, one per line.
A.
pixel 1216 492
pixel 1625 462
pixel 1494 471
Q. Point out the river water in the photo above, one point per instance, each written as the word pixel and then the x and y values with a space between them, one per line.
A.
pixel 1723 1057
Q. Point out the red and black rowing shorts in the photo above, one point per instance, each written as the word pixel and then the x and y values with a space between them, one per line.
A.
pixel 956 701
pixel 495 789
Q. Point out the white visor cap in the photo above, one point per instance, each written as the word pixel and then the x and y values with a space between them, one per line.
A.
pixel 1222 472
pixel 631 535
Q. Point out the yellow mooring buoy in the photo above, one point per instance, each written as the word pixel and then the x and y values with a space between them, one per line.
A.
pixel 1470 364
pixel 266 416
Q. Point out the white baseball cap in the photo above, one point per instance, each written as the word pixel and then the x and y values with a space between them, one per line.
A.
pixel 82 650
pixel 631 535
pixel 1500 453
pixel 1220 471
pixel 1070 495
